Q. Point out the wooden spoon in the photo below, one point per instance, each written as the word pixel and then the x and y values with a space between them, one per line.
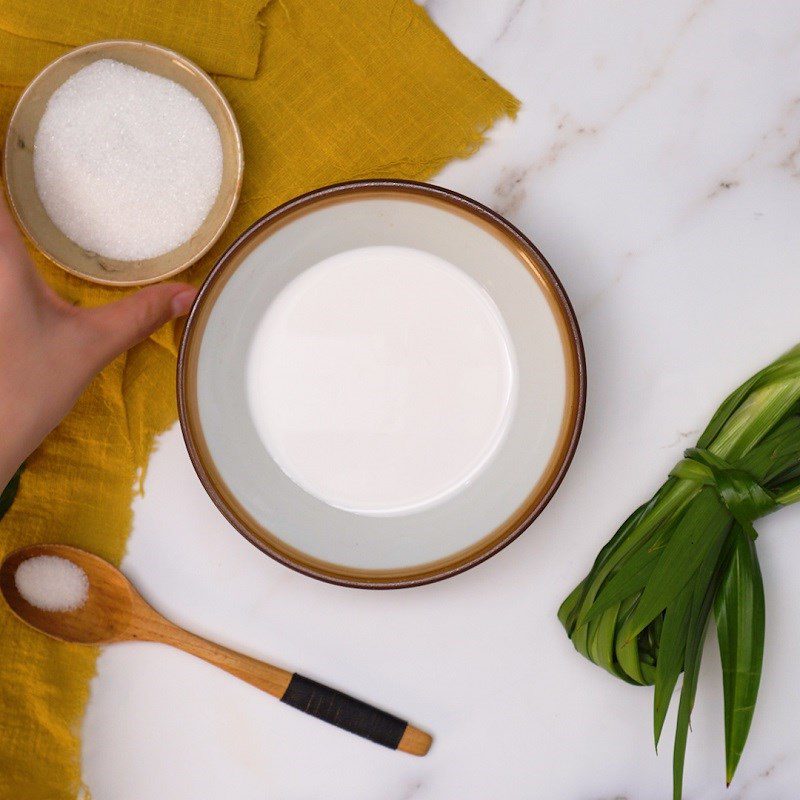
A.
pixel 115 612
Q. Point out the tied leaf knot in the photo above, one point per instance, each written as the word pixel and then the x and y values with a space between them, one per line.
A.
pixel 739 491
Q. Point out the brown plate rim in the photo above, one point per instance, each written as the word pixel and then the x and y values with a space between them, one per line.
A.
pixel 417 575
pixel 202 75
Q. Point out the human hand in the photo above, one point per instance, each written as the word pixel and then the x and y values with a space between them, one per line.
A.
pixel 50 349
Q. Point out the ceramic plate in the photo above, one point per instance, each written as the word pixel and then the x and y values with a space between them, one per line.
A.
pixel 339 546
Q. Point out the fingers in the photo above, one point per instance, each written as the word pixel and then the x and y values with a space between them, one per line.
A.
pixel 116 327
pixel 11 242
pixel 19 280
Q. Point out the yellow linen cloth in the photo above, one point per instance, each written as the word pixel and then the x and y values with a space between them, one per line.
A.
pixel 336 90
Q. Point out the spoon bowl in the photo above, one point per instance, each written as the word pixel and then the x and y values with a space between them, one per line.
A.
pixel 105 616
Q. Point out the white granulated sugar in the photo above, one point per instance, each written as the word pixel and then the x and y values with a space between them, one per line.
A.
pixel 52 583
pixel 127 163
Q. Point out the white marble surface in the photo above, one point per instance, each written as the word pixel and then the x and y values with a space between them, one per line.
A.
pixel 656 163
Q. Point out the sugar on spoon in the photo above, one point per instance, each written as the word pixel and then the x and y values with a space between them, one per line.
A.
pixel 115 612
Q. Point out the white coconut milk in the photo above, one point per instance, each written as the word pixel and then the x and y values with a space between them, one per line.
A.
pixel 382 380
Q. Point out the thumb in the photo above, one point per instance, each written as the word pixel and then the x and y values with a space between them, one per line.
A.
pixel 116 327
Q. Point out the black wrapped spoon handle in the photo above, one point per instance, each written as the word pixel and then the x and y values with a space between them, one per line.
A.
pixel 355 716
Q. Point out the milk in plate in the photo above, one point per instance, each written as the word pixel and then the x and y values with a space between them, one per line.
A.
pixel 382 380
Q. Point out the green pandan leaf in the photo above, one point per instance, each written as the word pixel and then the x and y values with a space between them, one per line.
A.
pixel 739 612
pixel 671 655
pixel 9 493
pixel 642 610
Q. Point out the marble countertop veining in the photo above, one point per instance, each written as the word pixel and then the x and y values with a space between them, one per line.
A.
pixel 656 163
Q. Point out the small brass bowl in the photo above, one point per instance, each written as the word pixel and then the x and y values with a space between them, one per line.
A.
pixel 18 164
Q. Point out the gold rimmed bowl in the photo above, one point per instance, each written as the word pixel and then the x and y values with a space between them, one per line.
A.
pixel 19 172
pixel 340 546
